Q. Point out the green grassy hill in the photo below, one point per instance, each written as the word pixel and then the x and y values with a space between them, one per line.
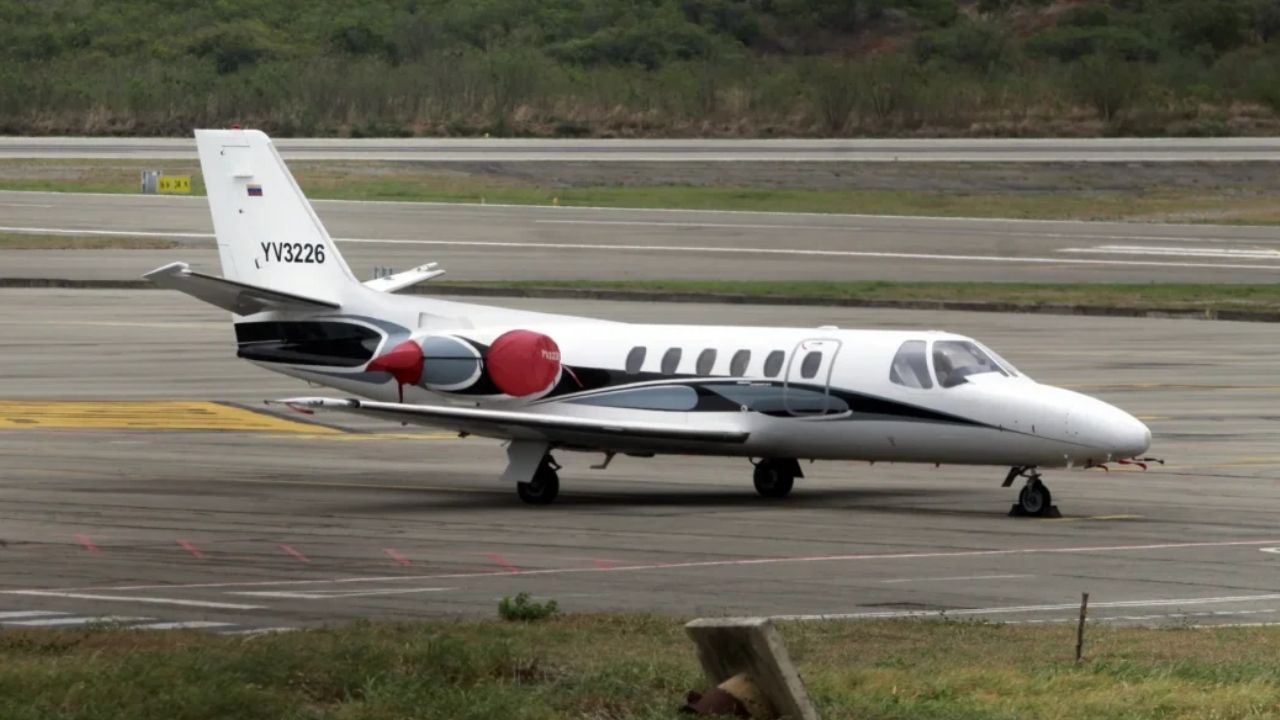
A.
pixel 642 67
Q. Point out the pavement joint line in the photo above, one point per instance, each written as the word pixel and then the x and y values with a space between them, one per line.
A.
pixel 744 562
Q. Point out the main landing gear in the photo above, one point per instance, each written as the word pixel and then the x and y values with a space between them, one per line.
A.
pixel 544 486
pixel 1034 500
pixel 774 477
pixel 533 470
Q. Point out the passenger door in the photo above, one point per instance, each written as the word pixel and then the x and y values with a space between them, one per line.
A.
pixel 806 384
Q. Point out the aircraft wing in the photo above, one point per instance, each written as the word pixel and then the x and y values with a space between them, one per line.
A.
pixel 515 424
pixel 237 297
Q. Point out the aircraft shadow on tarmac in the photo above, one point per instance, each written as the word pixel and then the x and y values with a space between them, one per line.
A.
pixel 637 497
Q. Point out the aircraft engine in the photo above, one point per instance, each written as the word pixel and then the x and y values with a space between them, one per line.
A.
pixel 521 363
pixel 518 363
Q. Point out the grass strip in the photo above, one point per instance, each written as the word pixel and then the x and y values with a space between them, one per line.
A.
pixel 635 666
pixel 1172 297
pixel 411 182
pixel 22 241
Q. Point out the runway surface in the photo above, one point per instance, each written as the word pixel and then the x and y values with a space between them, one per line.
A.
pixel 244 522
pixel 673 150
pixel 488 242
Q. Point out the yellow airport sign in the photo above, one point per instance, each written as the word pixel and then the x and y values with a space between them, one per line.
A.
pixel 174 184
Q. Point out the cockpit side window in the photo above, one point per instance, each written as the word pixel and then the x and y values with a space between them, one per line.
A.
pixel 911 366
pixel 956 360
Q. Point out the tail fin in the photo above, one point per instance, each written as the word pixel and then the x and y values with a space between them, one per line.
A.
pixel 268 234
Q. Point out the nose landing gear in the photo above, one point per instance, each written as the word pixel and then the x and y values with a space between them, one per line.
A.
pixel 775 477
pixel 1034 500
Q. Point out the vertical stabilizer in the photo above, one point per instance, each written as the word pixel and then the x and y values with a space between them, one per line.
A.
pixel 268 234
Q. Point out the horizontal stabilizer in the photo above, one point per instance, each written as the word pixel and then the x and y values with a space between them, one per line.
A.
pixel 408 278
pixel 509 424
pixel 237 297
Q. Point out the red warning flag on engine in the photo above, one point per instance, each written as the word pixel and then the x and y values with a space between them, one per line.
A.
pixel 523 362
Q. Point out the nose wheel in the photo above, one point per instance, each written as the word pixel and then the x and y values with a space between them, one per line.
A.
pixel 774 478
pixel 1034 499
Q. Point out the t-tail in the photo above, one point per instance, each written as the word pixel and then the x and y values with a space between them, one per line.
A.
pixel 275 252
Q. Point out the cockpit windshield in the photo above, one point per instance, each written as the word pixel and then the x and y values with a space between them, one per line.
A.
pixel 956 360
pixel 1008 366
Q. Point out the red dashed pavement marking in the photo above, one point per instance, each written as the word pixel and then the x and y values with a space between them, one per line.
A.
pixel 294 552
pixel 402 560
pixel 191 549
pixel 602 564
pixel 502 562
pixel 86 543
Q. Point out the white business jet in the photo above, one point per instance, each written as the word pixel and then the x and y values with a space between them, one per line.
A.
pixel 552 382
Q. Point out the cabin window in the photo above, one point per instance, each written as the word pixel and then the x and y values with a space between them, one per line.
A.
pixel 738 365
pixel 670 361
pixel 706 361
pixel 911 366
pixel 773 363
pixel 809 366
pixel 635 359
pixel 955 360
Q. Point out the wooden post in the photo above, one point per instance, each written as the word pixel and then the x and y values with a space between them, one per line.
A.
pixel 1084 613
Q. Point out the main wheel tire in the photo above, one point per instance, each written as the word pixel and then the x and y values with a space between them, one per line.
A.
pixel 1035 499
pixel 772 480
pixel 542 489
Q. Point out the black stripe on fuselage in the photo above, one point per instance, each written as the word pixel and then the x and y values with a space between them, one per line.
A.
pixel 768 398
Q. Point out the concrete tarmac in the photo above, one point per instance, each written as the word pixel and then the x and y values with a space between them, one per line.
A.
pixel 486 242
pixel 676 150
pixel 248 524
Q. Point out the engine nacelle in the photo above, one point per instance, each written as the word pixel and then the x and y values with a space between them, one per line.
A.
pixel 516 364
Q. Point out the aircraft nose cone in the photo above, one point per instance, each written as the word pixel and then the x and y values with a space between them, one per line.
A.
pixel 1130 436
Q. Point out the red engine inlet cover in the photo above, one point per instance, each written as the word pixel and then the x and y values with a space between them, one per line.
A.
pixel 523 362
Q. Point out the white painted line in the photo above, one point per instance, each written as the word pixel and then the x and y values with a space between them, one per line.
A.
pixel 336 594
pixel 799 252
pixel 187 625
pixel 258 631
pixel 696 224
pixel 697 564
pixel 17 615
pixel 128 598
pixel 954 578
pixel 1272 550
pixel 31 205
pixel 72 621
pixel 712 249
pixel 1014 609
pixel 107 233
pixel 161 199
pixel 1029 234
pixel 1145 250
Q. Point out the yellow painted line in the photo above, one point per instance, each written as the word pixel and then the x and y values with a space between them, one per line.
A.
pixel 145 415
